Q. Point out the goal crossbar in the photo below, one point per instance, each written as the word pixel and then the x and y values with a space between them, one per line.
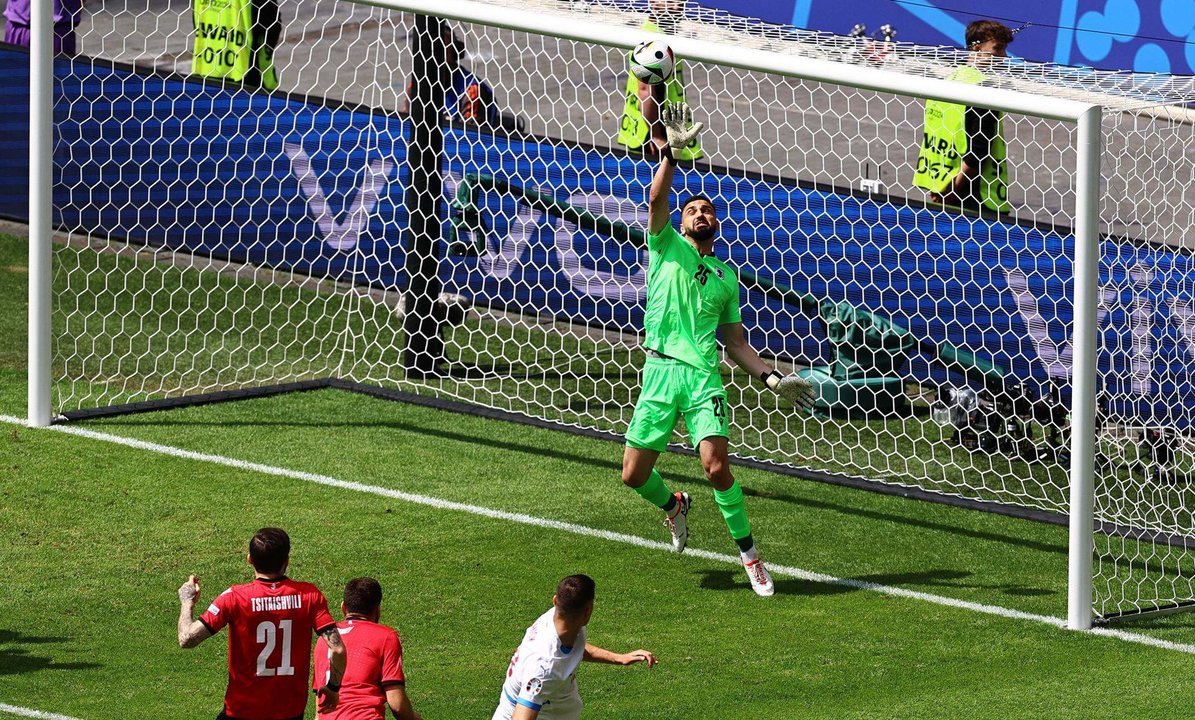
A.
pixel 698 50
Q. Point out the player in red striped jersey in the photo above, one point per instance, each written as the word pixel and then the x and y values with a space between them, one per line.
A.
pixel 374 678
pixel 270 623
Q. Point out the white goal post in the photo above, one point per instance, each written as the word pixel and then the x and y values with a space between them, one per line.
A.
pixel 355 359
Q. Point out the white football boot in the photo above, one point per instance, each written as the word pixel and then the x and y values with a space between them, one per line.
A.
pixel 761 580
pixel 677 521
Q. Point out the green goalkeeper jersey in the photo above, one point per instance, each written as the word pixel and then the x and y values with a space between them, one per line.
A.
pixel 688 296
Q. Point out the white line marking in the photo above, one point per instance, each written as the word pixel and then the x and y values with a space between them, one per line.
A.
pixel 26 712
pixel 603 534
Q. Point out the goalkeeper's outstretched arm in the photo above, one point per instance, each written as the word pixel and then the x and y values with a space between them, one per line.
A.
pixel 680 130
pixel 794 389
pixel 659 210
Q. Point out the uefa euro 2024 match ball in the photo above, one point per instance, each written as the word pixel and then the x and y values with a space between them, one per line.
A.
pixel 652 61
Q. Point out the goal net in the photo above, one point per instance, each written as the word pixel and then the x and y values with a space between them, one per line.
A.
pixel 448 209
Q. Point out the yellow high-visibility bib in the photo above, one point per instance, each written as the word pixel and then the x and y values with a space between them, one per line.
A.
pixel 224 42
pixel 944 144
pixel 634 130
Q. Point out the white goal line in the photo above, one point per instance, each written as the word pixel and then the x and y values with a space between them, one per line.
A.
pixel 442 504
pixel 31 713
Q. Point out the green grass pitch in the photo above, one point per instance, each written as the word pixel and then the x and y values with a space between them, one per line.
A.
pixel 96 537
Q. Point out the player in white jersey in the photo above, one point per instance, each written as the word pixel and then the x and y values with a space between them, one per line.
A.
pixel 541 681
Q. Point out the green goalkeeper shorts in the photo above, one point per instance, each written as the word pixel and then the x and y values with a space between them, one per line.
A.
pixel 671 389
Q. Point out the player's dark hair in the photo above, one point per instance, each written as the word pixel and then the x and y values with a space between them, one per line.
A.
pixel 449 37
pixel 362 595
pixel 455 42
pixel 574 594
pixel 269 550
pixel 980 31
pixel 696 198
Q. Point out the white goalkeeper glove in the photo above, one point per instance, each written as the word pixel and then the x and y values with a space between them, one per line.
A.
pixel 679 125
pixel 796 390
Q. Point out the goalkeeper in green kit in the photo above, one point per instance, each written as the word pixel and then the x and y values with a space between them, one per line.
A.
pixel 691 296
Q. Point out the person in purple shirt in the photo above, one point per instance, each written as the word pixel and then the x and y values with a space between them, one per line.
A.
pixel 67 14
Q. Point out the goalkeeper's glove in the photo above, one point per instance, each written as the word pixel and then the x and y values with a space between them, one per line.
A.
pixel 796 390
pixel 679 125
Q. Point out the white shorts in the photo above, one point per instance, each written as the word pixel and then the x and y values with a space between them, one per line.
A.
pixel 568 708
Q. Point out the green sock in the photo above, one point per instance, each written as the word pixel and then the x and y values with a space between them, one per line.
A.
pixel 730 502
pixel 656 492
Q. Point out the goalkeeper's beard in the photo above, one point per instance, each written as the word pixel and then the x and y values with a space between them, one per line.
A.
pixel 705 234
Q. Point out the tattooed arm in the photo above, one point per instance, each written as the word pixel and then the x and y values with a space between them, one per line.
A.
pixel 191 632
pixel 329 694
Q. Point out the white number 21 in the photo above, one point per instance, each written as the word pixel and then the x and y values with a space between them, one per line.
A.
pixel 267 633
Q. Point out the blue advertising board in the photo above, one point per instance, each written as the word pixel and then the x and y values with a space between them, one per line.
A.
pixel 1142 35
pixel 178 163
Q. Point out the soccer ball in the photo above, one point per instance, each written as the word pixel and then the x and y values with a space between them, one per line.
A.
pixel 652 61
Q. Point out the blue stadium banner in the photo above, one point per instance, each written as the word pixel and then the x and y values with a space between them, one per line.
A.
pixel 1142 35
pixel 319 189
